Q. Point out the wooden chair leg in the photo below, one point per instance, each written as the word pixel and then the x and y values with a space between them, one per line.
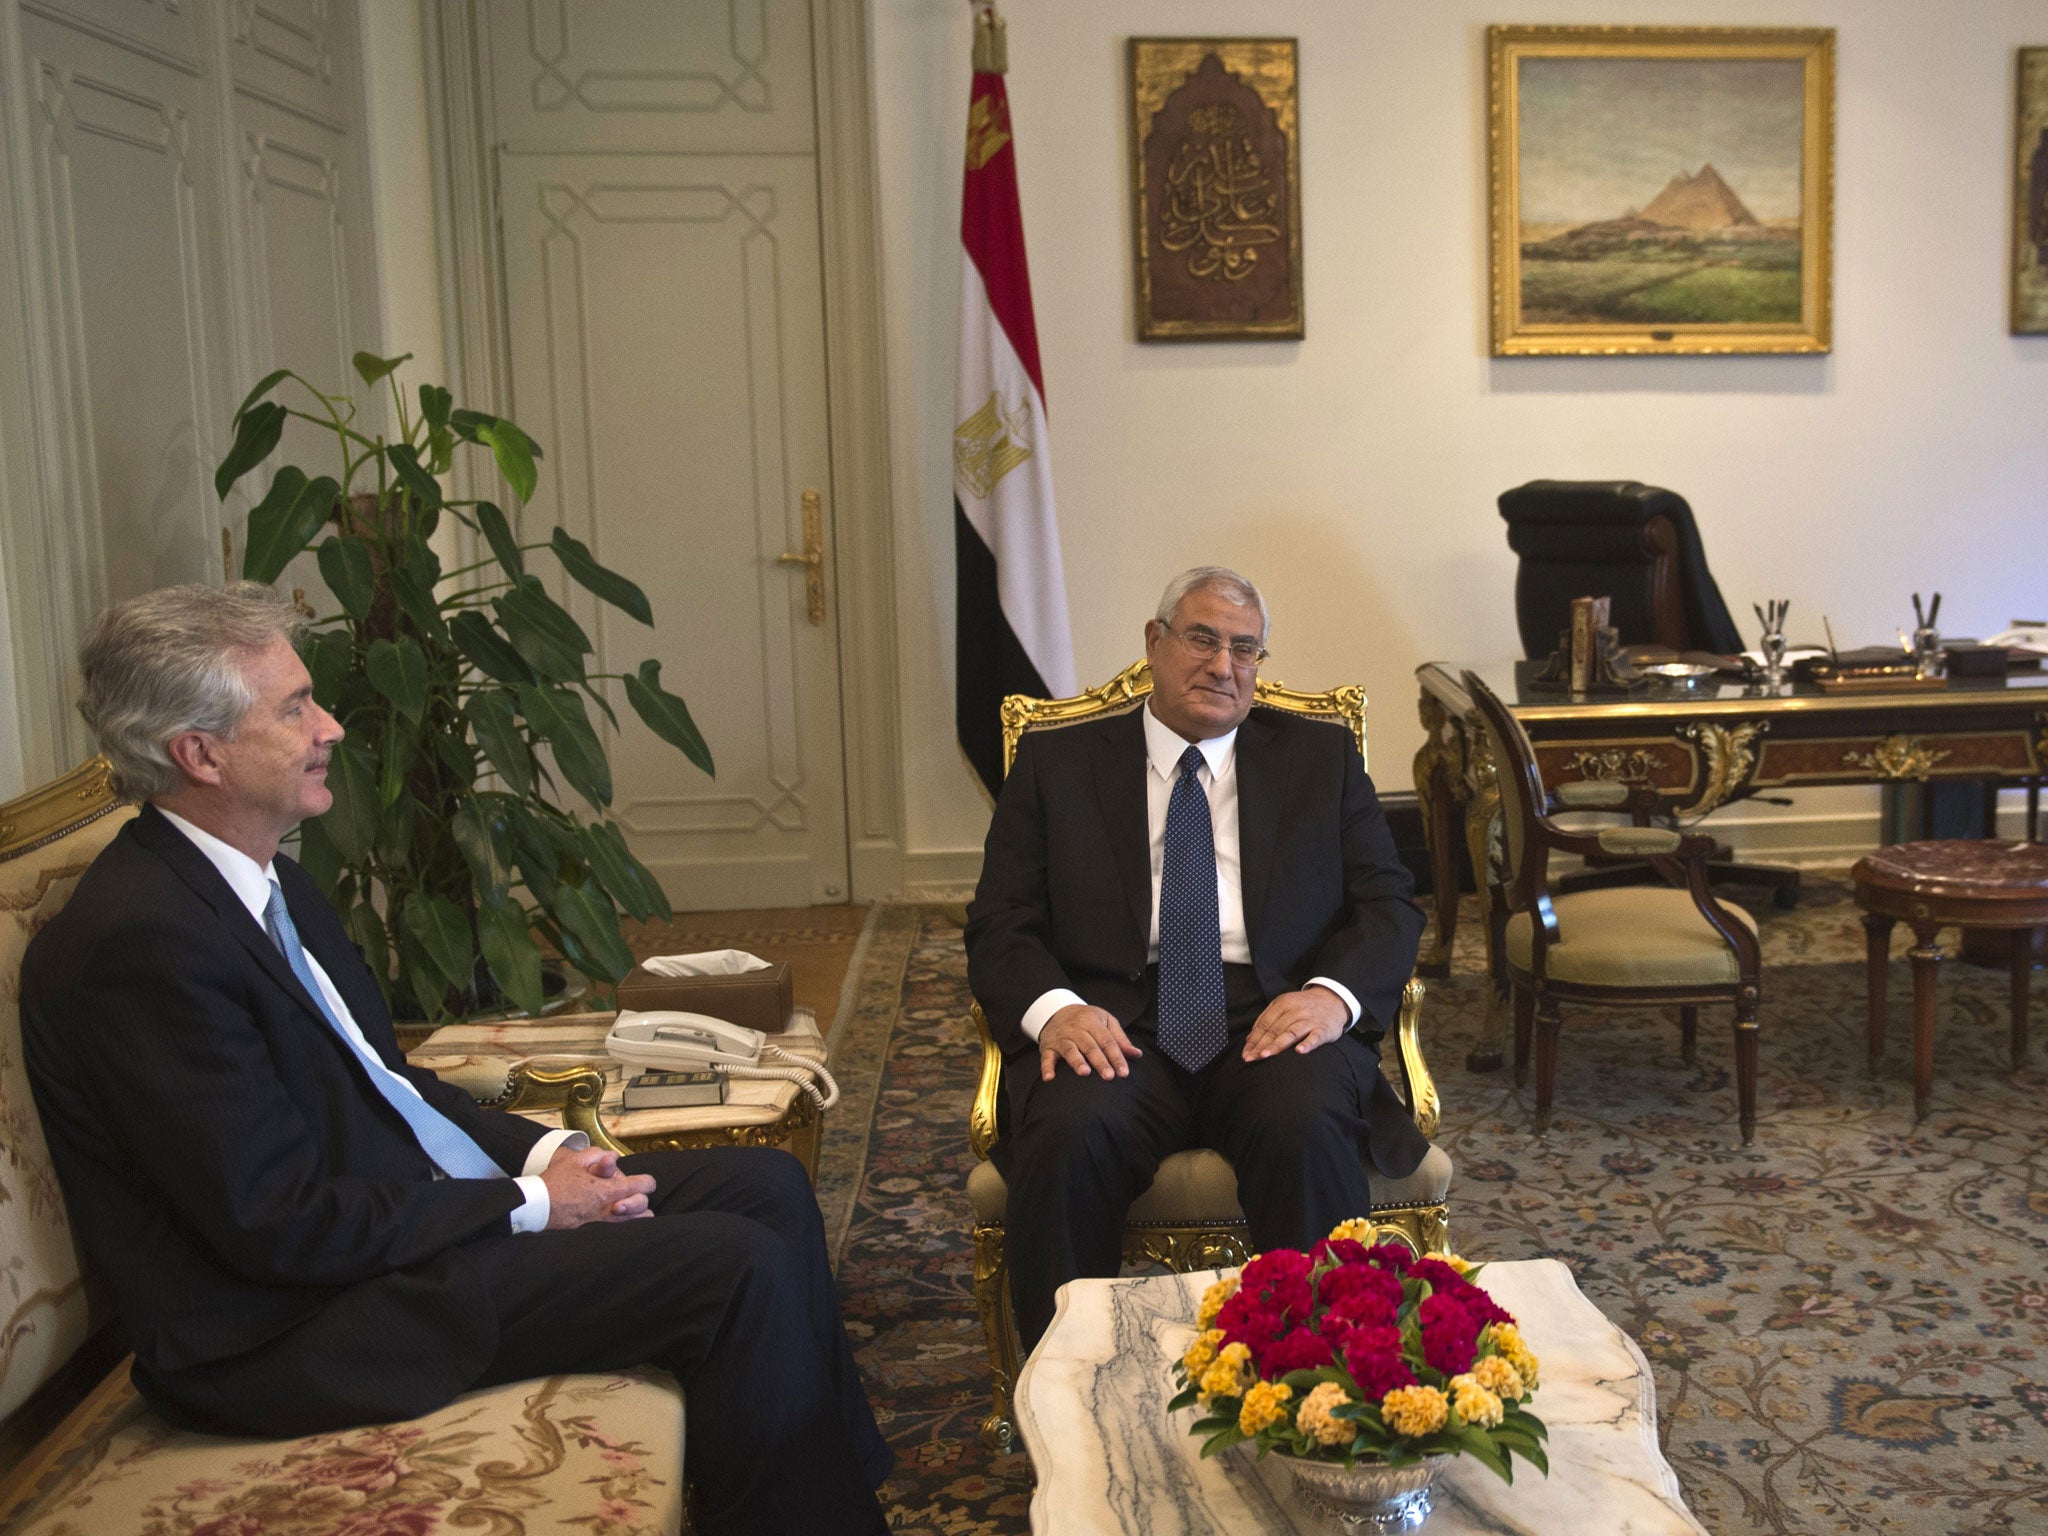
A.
pixel 2024 943
pixel 1745 1071
pixel 1688 1033
pixel 1877 954
pixel 1547 1024
pixel 1926 956
pixel 1525 1019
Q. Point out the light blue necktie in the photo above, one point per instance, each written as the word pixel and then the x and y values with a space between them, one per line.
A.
pixel 1193 1018
pixel 440 1138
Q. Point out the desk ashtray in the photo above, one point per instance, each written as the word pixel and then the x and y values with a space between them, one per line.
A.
pixel 1678 674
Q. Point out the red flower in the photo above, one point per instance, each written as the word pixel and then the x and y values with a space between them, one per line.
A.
pixel 1377 1371
pixel 1393 1256
pixel 1361 1309
pixel 1450 1334
pixel 1245 1320
pixel 1437 1273
pixel 1300 1350
pixel 1277 1267
pixel 1360 1279
pixel 1345 1250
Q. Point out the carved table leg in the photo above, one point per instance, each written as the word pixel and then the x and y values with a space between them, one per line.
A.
pixel 1877 954
pixel 1548 1021
pixel 1926 955
pixel 2024 942
pixel 1482 810
pixel 1439 774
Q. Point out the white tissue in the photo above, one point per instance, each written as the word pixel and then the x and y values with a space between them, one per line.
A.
pixel 710 962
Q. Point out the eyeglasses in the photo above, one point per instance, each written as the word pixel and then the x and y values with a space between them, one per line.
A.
pixel 1205 643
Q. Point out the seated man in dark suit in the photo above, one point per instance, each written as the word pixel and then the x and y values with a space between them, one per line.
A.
pixel 1191 930
pixel 304 1232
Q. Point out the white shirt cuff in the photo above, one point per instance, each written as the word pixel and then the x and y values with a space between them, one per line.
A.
pixel 1342 991
pixel 532 1214
pixel 1048 1004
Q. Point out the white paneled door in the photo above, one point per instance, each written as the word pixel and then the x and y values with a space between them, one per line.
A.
pixel 657 173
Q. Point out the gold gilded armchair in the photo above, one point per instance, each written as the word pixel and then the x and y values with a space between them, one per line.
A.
pixel 1189 1219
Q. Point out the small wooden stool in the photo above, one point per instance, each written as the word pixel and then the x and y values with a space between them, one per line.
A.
pixel 1951 884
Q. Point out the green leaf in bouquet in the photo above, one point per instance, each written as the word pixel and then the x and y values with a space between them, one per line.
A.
pixel 426 490
pixel 285 520
pixel 346 568
pixel 257 429
pixel 498 534
pixel 1223 1440
pixel 1184 1398
pixel 507 941
pixel 494 717
pixel 557 716
pixel 1521 1418
pixel 591 920
pixel 542 631
pixel 438 927
pixel 370 367
pixel 1475 1443
pixel 399 670
pixel 352 820
pixel 488 651
pixel 666 715
pixel 608 584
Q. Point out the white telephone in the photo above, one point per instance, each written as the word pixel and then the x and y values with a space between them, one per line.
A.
pixel 669 1041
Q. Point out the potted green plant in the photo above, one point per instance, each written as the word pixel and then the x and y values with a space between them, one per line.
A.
pixel 466 695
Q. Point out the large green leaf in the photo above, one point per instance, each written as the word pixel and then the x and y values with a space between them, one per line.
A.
pixel 395 761
pixel 345 566
pixel 426 490
pixel 498 534
pixel 608 584
pixel 453 748
pixel 493 715
pixel 285 520
pixel 434 404
pixel 474 835
pixel 328 656
pixel 257 430
pixel 399 670
pixel 488 650
pixel 442 933
pixel 542 631
pixel 557 716
pixel 372 367
pixel 667 715
pixel 509 950
pixel 624 878
pixel 514 451
pixel 590 918
pixel 531 855
pixel 394 845
pixel 264 386
pixel 416 602
pixel 352 821
pixel 318 856
pixel 366 927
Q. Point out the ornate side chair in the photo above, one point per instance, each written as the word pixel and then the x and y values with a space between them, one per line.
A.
pixel 1613 948
pixel 1189 1219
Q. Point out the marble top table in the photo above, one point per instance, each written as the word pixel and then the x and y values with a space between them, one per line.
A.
pixel 1091 1404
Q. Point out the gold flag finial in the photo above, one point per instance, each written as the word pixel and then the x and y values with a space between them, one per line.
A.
pixel 991 49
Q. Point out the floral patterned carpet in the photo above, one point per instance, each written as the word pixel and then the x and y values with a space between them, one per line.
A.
pixel 1848 1320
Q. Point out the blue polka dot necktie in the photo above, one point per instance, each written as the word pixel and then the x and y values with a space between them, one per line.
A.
pixel 448 1144
pixel 1193 1021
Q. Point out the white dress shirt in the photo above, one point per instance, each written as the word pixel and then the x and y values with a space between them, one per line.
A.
pixel 1218 778
pixel 251 884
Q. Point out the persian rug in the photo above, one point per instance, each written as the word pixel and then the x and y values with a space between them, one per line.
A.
pixel 1848 1319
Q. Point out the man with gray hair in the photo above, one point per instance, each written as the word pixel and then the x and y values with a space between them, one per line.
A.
pixel 1192 929
pixel 303 1231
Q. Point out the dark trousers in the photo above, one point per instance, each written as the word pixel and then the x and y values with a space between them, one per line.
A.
pixel 1083 1148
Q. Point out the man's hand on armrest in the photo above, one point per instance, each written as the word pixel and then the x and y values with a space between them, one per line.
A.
pixel 1306 1019
pixel 1087 1039
pixel 586 1186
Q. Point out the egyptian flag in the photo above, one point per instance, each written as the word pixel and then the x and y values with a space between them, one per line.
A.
pixel 1012 632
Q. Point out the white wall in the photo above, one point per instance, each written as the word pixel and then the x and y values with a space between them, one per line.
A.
pixel 402 186
pixel 1353 474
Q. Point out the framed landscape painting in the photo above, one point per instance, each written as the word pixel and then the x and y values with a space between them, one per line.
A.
pixel 1661 189
pixel 2030 198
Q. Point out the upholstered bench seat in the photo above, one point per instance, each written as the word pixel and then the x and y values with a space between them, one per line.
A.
pixel 546 1456
pixel 1632 936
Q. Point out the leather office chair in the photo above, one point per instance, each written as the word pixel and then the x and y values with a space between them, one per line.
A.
pixel 1605 947
pixel 1638 546
pixel 1189 1219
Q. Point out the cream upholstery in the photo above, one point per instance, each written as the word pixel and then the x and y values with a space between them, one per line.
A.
pixel 1634 936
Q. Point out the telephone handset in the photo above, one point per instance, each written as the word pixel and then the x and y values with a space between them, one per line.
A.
pixel 669 1041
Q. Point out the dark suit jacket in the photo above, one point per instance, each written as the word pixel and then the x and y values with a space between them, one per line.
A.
pixel 228 1164
pixel 1065 898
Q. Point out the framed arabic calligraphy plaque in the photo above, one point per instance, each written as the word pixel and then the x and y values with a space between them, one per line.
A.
pixel 1216 160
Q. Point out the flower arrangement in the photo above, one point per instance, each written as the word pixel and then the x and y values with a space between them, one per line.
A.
pixel 1350 1354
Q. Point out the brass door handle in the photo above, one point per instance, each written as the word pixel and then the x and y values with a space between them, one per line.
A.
pixel 813 557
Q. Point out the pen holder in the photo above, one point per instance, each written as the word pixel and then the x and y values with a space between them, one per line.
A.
pixel 1927 658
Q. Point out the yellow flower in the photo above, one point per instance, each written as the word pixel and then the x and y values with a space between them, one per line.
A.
pixel 1201 1353
pixel 1507 1343
pixel 1358 1229
pixel 1462 1266
pixel 1229 1375
pixel 1213 1299
pixel 1415 1410
pixel 1314 1418
pixel 1474 1403
pixel 1499 1377
pixel 1264 1404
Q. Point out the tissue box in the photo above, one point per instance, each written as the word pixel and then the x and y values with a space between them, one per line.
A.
pixel 757 999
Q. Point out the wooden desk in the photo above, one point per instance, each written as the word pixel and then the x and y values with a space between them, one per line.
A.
pixel 1699 748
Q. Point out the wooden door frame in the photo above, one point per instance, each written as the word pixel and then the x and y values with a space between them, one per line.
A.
pixel 863 541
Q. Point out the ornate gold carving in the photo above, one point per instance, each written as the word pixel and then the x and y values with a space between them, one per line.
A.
pixel 61 806
pixel 1219 201
pixel 991 443
pixel 1898 757
pixel 1423 1102
pixel 981 1119
pixel 992 1301
pixel 988 130
pixel 1614 766
pixel 1731 758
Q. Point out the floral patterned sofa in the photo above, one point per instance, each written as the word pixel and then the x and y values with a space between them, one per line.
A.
pixel 597 1455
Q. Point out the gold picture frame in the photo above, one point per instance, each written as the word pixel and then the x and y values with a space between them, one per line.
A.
pixel 2030 195
pixel 1623 164
pixel 1216 178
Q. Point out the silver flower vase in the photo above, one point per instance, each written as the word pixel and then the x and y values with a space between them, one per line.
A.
pixel 1370 1496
